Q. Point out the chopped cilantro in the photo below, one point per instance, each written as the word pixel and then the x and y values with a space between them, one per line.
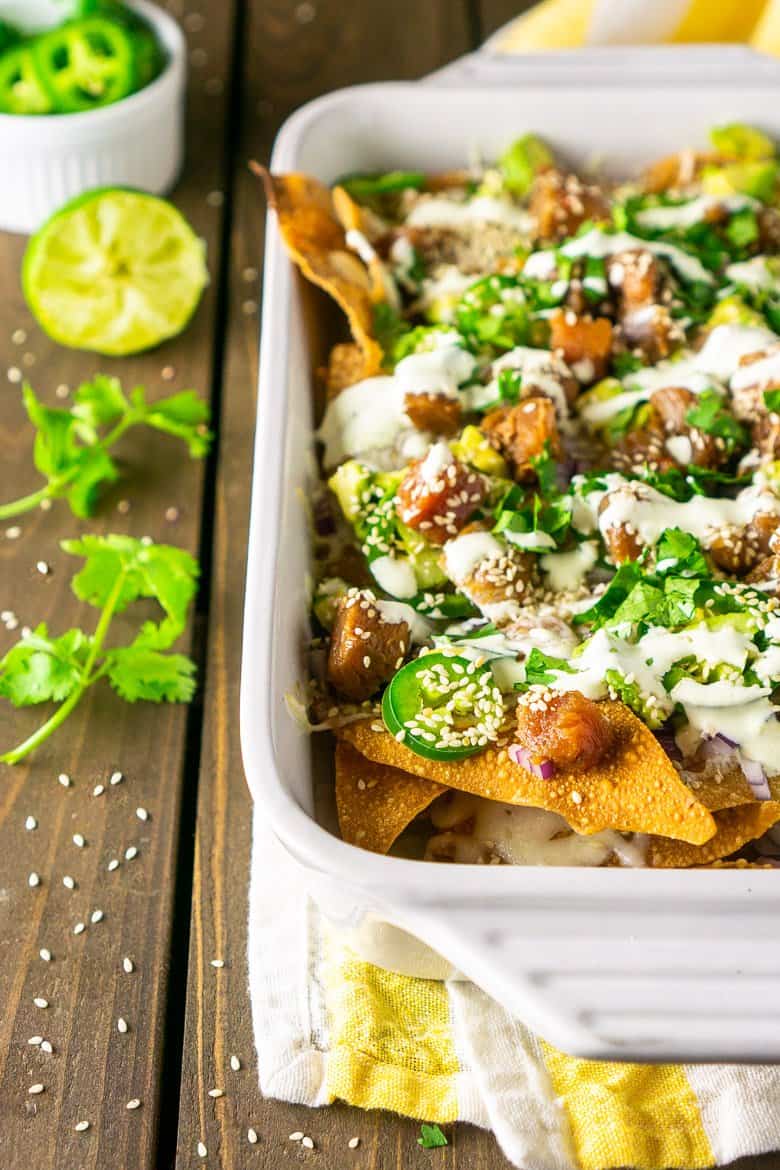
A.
pixel 389 329
pixel 546 469
pixel 431 1137
pixel 552 517
pixel 538 668
pixel 362 186
pixel 772 400
pixel 710 416
pixel 509 385
pixel 681 551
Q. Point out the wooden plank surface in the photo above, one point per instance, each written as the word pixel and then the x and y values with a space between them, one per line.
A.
pixel 289 60
pixel 93 1069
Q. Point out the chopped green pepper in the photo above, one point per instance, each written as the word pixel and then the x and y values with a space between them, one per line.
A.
pixel 86 64
pixel 443 706
pixel 21 89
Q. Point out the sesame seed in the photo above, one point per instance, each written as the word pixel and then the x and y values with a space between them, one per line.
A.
pixel 307 1143
pixel 46 1047
pixel 96 916
pixel 45 954
pixel 123 507
pixel 98 790
pixel 112 865
pixel 216 1093
pixel 19 336
pixel 79 840
pixel 215 198
pixel 168 373
pixel 296 1137
pixel 79 928
pixel 130 853
pixel 251 1136
pixel 235 1063
pixel 14 532
pixel 30 824
pixel 33 880
pixel 68 882
pixel 35 1041
pixel 35 1089
pixel 142 814
pixel 172 515
pixel 353 1143
pixel 62 390
pixel 65 780
pixel 134 1103
pixel 40 1002
pixel 121 1025
pixel 218 963
pixel 202 1151
pixel 127 965
pixel 14 374
pixel 116 778
pixel 81 1126
pixel 43 567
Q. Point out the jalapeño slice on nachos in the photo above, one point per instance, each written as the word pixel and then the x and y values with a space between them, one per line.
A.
pixel 546 606
pixel 443 707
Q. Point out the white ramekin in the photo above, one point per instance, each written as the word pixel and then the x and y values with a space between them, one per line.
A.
pixel 139 142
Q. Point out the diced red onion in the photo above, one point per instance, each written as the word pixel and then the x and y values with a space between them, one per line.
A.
pixel 544 769
pixel 732 743
pixel 756 778
pixel 716 749
pixel 665 737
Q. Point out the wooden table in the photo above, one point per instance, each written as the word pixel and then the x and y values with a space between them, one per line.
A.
pixel 182 901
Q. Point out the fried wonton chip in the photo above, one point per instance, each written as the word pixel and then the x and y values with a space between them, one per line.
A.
pixel 676 170
pixel 376 802
pixel 315 240
pixel 724 789
pixel 346 365
pixel 634 789
pixel 735 828
pixel 353 217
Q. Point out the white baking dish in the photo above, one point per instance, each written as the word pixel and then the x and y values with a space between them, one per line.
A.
pixel 138 142
pixel 606 963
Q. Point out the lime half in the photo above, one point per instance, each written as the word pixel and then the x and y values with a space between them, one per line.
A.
pixel 114 271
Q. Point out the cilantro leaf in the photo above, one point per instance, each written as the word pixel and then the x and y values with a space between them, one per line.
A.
pixel 772 400
pixel 117 571
pixel 538 666
pixel 546 469
pixel 71 447
pixel 431 1137
pixel 679 550
pixel 616 592
pixel 39 669
pixel 136 672
pixel 710 416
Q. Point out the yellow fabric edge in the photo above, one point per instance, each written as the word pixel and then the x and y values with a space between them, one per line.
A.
pixel 553 24
pixel 360 1080
pixel 643 1116
pixel 723 20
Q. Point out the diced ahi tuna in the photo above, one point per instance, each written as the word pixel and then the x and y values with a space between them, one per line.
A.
pixel 365 648
pixel 585 343
pixel 439 495
pixel 566 729
pixel 521 432
pixel 437 413
pixel 561 203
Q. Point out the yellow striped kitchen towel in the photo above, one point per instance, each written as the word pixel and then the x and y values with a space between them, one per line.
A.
pixel 570 24
pixel 330 1026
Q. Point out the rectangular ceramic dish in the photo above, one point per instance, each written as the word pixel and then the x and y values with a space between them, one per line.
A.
pixel 606 963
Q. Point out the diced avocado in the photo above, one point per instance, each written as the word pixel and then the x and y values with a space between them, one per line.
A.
pixel 742 142
pixel 326 598
pixel 522 161
pixel 733 311
pixel 629 692
pixel 348 484
pixel 473 448
pixel 744 622
pixel 757 179
pixel 425 557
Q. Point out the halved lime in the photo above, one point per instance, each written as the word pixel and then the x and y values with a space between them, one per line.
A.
pixel 114 271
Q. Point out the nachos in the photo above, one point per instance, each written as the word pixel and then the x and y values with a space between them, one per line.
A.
pixel 546 615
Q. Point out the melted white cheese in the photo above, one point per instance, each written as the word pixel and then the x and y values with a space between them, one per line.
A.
pixel 395 576
pixel 542 265
pixel 567 570
pixel 692 211
pixel 649 512
pixel 438 211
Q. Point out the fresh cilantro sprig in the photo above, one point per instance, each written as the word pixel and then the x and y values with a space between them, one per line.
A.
pixel 72 445
pixel 117 571
pixel 431 1137
pixel 709 415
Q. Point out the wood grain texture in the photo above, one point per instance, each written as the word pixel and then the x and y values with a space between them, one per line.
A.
pixel 94 1070
pixel 288 62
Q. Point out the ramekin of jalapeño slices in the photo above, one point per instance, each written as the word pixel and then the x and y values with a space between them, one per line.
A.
pixel 98 57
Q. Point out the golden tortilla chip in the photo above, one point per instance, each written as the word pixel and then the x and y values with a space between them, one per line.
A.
pixel 375 802
pixel 735 828
pixel 346 365
pixel 353 217
pixel 315 240
pixel 740 863
pixel 636 789
pixel 721 790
